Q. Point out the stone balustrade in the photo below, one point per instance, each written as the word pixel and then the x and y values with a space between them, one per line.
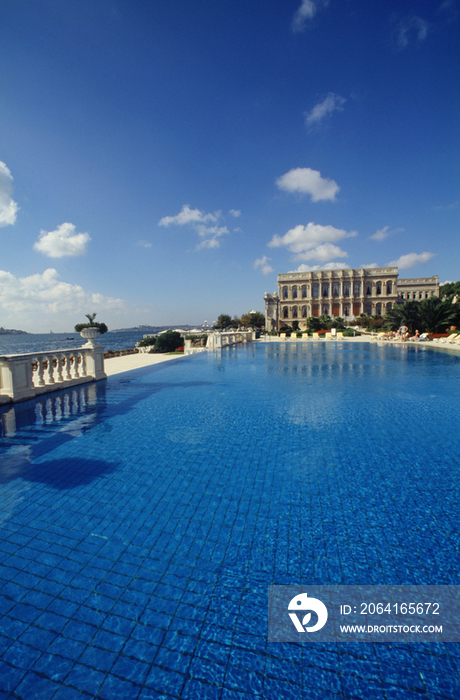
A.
pixel 216 341
pixel 31 374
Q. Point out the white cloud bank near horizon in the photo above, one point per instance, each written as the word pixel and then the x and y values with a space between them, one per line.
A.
pixel 62 242
pixel 313 242
pixel 308 181
pixel 46 295
pixel 8 207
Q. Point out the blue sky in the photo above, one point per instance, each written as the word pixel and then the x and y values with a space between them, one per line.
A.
pixel 162 162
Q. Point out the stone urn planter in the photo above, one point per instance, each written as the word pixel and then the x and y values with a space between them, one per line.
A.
pixel 90 334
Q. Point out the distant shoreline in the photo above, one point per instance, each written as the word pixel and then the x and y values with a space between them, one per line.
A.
pixel 12 331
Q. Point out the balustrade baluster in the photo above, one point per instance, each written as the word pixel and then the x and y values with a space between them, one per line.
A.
pixel 83 372
pixel 59 359
pixel 67 375
pixel 40 372
pixel 75 374
pixel 49 379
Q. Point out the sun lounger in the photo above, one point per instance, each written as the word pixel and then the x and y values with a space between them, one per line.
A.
pixel 315 336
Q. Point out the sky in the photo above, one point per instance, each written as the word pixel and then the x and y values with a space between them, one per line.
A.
pixel 162 162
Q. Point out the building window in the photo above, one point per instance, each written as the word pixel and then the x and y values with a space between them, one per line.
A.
pixel 335 289
pixel 285 312
pixel 414 295
pixel 346 310
pixel 304 312
pixel 378 289
pixel 389 306
pixel 356 289
pixel 326 309
pixel 378 309
pixel 315 290
pixel 294 292
pixel 285 293
pixel 426 295
pixel 346 289
pixel 326 289
pixel 294 312
pixel 389 288
pixel 304 291
pixel 369 290
pixel 420 295
pixel 369 309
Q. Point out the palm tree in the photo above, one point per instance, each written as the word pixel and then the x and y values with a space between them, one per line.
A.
pixel 437 314
pixel 405 314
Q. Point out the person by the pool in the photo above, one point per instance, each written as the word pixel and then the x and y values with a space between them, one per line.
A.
pixel 403 331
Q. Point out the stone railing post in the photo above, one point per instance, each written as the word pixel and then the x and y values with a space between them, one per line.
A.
pixel 16 379
pixel 94 362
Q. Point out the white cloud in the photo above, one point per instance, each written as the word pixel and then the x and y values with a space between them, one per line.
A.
pixel 411 260
pixel 306 11
pixel 308 181
pixel 328 266
pixel 446 207
pixel 313 242
pixel 235 212
pixel 144 244
pixel 211 234
pixel 44 294
pixel 189 216
pixel 370 266
pixel 263 264
pixel 384 232
pixel 410 29
pixel 8 208
pixel 198 221
pixel 62 242
pixel 331 103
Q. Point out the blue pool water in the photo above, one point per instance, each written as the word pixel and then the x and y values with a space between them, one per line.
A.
pixel 143 519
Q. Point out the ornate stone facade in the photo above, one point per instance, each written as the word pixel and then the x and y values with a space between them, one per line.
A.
pixel 346 293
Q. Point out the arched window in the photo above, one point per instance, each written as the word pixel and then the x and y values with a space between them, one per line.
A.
pixel 294 292
pixel 285 292
pixel 304 312
pixel 378 309
pixel 389 306
pixel 389 287
pixel 294 312
pixel 368 289
pixel 346 310
pixel 378 288
pixel 285 312
pixel 325 289
pixel 304 291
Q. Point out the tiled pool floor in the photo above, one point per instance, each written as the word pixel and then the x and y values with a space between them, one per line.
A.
pixel 143 519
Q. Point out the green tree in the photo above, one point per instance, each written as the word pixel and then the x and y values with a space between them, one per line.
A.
pixel 254 319
pixel 449 290
pixel 223 321
pixel 168 342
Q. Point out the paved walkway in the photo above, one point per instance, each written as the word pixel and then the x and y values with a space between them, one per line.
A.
pixel 116 365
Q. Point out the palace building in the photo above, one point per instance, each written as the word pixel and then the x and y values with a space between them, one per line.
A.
pixel 346 293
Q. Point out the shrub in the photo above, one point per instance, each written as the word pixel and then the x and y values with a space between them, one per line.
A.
pixel 168 341
pixel 149 340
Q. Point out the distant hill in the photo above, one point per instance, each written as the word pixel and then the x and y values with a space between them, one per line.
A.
pixel 11 331
pixel 153 329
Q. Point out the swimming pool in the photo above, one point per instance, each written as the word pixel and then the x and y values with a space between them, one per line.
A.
pixel 143 519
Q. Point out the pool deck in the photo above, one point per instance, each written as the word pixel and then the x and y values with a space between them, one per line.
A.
pixel 125 363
